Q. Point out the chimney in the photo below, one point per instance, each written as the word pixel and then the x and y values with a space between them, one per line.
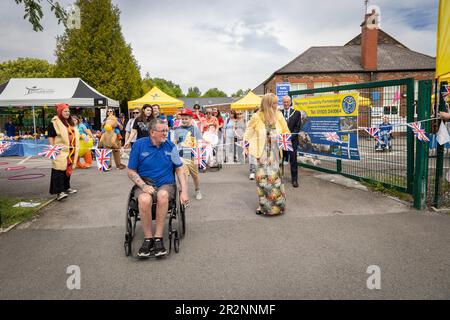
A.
pixel 369 41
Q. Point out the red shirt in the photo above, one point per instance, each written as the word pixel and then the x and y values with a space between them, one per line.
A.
pixel 207 122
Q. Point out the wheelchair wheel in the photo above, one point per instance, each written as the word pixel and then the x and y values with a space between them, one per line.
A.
pixel 127 245
pixel 182 220
pixel 176 242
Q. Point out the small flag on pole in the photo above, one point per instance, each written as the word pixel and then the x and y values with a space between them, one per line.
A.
pixel 418 131
pixel 199 157
pixel 51 152
pixel 373 132
pixel 445 93
pixel 103 157
pixel 284 142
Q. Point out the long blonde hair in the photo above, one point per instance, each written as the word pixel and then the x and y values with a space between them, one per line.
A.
pixel 269 114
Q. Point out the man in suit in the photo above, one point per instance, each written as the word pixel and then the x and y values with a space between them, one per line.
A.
pixel 293 119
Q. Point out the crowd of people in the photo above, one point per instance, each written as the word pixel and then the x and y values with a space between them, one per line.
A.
pixel 161 152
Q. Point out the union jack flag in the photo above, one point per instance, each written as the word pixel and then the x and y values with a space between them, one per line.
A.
pixel 103 157
pixel 374 132
pixel 284 142
pixel 51 152
pixel 199 157
pixel 4 146
pixel 333 137
pixel 445 93
pixel 418 131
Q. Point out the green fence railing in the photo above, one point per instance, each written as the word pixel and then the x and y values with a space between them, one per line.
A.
pixel 392 168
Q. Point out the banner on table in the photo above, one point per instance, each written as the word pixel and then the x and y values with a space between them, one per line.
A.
pixel 329 116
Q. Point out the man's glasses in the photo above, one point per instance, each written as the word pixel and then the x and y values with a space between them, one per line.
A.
pixel 163 131
pixel 109 111
pixel 135 112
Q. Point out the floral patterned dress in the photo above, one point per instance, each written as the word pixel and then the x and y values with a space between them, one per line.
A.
pixel 272 196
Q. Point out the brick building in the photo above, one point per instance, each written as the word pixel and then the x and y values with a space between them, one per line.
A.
pixel 373 55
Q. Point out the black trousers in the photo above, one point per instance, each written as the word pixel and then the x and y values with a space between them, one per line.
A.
pixel 59 181
pixel 291 156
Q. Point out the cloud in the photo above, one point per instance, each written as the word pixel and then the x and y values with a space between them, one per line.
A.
pixel 227 44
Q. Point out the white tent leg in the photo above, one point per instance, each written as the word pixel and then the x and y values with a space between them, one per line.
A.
pixel 34 121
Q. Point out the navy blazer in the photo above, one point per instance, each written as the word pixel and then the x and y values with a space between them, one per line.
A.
pixel 294 123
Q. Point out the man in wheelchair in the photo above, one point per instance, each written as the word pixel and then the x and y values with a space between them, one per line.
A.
pixel 151 167
pixel 384 135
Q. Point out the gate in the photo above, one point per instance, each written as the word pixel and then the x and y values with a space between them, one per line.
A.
pixel 393 169
pixel 438 193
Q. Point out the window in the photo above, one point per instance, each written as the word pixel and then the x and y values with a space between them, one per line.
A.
pixel 323 85
pixel 391 100
pixel 344 84
pixel 298 86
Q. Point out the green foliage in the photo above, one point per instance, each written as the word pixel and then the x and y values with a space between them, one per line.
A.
pixel 214 93
pixel 25 68
pixel 193 92
pixel 240 93
pixel 11 215
pixel 98 53
pixel 33 11
pixel 166 86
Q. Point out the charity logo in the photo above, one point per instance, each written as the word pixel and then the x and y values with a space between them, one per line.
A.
pixel 349 104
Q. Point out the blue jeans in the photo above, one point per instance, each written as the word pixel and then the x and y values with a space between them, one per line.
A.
pixel 384 138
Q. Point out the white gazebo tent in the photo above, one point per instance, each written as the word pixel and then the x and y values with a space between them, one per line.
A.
pixel 40 92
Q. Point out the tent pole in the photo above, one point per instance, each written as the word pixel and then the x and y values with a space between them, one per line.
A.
pixel 34 121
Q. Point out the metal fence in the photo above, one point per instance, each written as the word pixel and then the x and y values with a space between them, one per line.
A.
pixel 393 100
pixel 438 180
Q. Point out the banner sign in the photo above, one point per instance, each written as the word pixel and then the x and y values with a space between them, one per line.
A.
pixel 283 89
pixel 329 125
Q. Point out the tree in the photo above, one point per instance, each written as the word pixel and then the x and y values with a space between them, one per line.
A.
pixel 166 86
pixel 98 54
pixel 214 93
pixel 193 92
pixel 240 93
pixel 33 11
pixel 25 68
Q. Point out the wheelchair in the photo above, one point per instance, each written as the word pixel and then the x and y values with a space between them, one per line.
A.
pixel 175 214
pixel 380 146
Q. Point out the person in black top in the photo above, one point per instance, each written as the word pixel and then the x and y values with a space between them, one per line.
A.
pixel 293 119
pixel 140 126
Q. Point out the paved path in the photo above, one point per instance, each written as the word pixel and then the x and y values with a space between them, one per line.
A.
pixel 320 249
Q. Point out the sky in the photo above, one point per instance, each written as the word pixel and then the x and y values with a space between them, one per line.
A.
pixel 228 44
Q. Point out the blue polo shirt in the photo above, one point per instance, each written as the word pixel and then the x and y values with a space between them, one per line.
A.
pixel 156 163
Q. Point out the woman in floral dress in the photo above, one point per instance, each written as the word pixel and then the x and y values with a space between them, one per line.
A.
pixel 261 135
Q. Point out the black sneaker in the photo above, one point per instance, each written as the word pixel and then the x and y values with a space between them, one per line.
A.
pixel 147 249
pixel 159 248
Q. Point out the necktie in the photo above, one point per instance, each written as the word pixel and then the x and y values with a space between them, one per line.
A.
pixel 286 114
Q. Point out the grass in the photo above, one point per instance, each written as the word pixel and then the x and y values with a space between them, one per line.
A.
pixel 10 215
pixel 392 191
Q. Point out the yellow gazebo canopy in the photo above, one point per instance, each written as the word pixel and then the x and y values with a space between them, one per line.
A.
pixel 364 102
pixel 443 41
pixel 168 104
pixel 249 102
